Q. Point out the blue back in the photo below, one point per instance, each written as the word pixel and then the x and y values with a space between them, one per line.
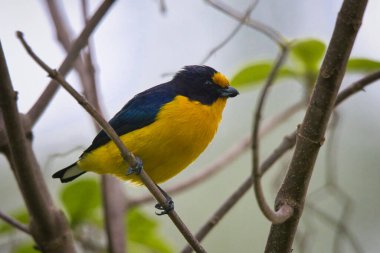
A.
pixel 139 112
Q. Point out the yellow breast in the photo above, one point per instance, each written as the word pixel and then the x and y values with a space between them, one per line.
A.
pixel 180 133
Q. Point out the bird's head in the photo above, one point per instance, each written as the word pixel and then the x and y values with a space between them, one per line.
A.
pixel 203 84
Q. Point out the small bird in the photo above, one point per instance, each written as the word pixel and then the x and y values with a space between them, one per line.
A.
pixel 167 126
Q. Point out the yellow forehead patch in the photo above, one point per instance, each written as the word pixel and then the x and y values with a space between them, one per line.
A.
pixel 219 79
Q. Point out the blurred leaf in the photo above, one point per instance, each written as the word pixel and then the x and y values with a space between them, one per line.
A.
pixel 143 234
pixel 81 199
pixel 362 65
pixel 309 53
pixel 20 215
pixel 256 73
pixel 25 247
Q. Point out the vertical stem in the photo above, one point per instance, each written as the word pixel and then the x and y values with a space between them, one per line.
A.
pixel 310 134
pixel 48 224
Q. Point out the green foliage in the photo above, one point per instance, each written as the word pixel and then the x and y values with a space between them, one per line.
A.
pixel 305 59
pixel 25 247
pixel 143 234
pixel 309 54
pixel 256 73
pixel 306 56
pixel 81 199
pixel 362 65
pixel 82 202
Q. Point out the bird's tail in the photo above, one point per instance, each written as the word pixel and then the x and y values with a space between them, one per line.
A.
pixel 69 173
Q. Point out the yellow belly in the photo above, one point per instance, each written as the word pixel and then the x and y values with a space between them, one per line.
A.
pixel 181 132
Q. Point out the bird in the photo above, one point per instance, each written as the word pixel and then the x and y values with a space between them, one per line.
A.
pixel 167 127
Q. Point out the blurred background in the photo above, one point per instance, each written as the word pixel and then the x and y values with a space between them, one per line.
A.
pixel 137 46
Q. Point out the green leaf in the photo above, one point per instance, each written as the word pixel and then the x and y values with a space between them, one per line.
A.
pixel 25 247
pixel 309 53
pixel 81 199
pixel 257 72
pixel 362 65
pixel 143 235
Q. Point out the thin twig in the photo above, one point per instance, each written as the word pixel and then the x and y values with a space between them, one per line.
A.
pixel 41 104
pixel 14 223
pixel 83 65
pixel 341 225
pixel 287 143
pixel 232 34
pixel 357 86
pixel 285 211
pixel 266 30
pixel 125 153
pixel 226 158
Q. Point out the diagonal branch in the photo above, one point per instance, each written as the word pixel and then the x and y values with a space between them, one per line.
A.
pixel 127 156
pixel 266 30
pixel 233 33
pixel 41 104
pixel 112 192
pixel 14 223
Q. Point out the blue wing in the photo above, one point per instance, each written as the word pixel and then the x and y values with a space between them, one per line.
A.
pixel 139 112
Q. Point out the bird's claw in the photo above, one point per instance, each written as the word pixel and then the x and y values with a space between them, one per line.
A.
pixel 137 168
pixel 169 206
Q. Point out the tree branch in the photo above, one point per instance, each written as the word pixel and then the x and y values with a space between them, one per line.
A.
pixel 285 211
pixel 14 223
pixel 41 104
pixel 266 30
pixel 310 135
pixel 48 225
pixel 112 193
pixel 247 13
pixel 127 156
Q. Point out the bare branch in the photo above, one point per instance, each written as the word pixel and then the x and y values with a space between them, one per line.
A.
pixel 48 225
pixel 233 33
pixel 125 153
pixel 310 135
pixel 266 30
pixel 285 211
pixel 357 86
pixel 14 223
pixel 39 107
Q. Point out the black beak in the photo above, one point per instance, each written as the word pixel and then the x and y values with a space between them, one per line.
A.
pixel 228 92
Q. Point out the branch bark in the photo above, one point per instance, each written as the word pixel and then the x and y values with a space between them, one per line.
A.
pixel 310 135
pixel 41 104
pixel 48 225
pixel 114 200
pixel 283 213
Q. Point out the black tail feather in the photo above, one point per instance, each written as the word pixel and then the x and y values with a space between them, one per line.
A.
pixel 62 174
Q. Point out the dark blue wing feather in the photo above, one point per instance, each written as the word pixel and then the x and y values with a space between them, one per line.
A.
pixel 139 112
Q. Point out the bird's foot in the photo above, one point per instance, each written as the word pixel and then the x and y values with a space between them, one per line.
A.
pixel 137 168
pixel 169 206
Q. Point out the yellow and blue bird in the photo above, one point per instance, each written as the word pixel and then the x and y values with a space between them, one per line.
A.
pixel 167 127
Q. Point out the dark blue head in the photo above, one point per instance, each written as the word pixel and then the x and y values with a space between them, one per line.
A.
pixel 203 83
